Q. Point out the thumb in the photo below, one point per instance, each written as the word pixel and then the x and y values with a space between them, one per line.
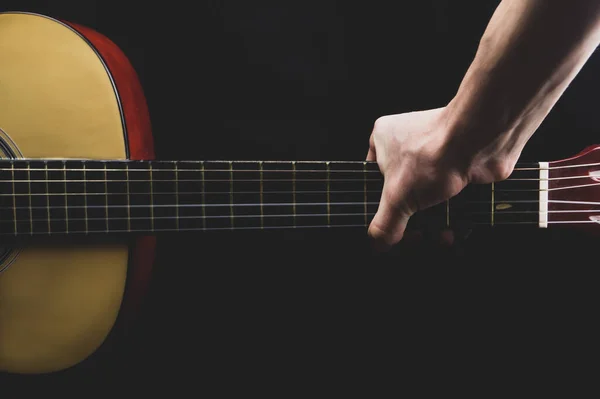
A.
pixel 389 223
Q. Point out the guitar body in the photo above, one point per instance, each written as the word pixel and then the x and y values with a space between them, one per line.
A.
pixel 67 92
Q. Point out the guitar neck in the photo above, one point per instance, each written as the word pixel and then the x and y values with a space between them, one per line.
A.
pixel 48 197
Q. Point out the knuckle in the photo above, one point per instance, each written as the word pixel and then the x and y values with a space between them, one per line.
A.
pixel 380 124
pixel 372 141
pixel 500 169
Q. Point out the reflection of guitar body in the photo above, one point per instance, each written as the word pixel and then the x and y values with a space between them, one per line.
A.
pixel 76 151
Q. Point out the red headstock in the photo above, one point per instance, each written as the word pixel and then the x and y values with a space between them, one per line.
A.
pixel 573 184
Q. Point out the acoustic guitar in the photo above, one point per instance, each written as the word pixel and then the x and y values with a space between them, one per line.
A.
pixel 82 197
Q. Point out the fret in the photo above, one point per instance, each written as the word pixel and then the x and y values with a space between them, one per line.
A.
pixel 40 212
pixel 365 199
pixel 96 198
pixel 29 197
pixel 65 197
pixel 8 218
pixel 47 191
pixel 261 199
pixel 311 194
pixel 176 166
pixel 151 197
pixel 191 195
pixel 116 186
pixel 506 202
pixel 216 182
pixel 85 204
pixel 140 197
pixel 516 199
pixel 294 192
pixel 57 198
pixel 22 199
pixel 231 212
pixel 281 198
pixel 74 187
pixel 164 196
pixel 348 193
pixel 374 186
pixel 328 168
pixel 14 196
pixel 249 194
pixel 203 197
pixel 106 197
pixel 128 197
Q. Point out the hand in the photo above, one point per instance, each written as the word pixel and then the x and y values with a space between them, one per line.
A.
pixel 419 170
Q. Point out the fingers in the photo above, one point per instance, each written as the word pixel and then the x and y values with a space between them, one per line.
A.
pixel 447 238
pixel 371 156
pixel 389 223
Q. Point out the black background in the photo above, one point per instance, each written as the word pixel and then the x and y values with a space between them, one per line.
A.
pixel 306 80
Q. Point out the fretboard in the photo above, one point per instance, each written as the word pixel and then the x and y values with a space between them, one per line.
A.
pixel 48 197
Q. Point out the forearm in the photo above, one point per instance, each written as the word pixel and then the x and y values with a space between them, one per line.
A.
pixel 528 55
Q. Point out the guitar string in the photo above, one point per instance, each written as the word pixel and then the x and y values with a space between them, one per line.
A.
pixel 160 166
pixel 180 171
pixel 360 214
pixel 179 192
pixel 227 215
pixel 238 181
pixel 282 204
pixel 362 203
pixel 264 180
pixel 197 217
pixel 457 200
pixel 363 172
pixel 189 229
pixel 290 163
pixel 468 202
pixel 284 227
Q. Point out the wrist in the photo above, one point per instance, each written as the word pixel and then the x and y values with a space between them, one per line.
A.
pixel 481 140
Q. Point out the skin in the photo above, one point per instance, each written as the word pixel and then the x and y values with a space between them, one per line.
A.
pixel 529 53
